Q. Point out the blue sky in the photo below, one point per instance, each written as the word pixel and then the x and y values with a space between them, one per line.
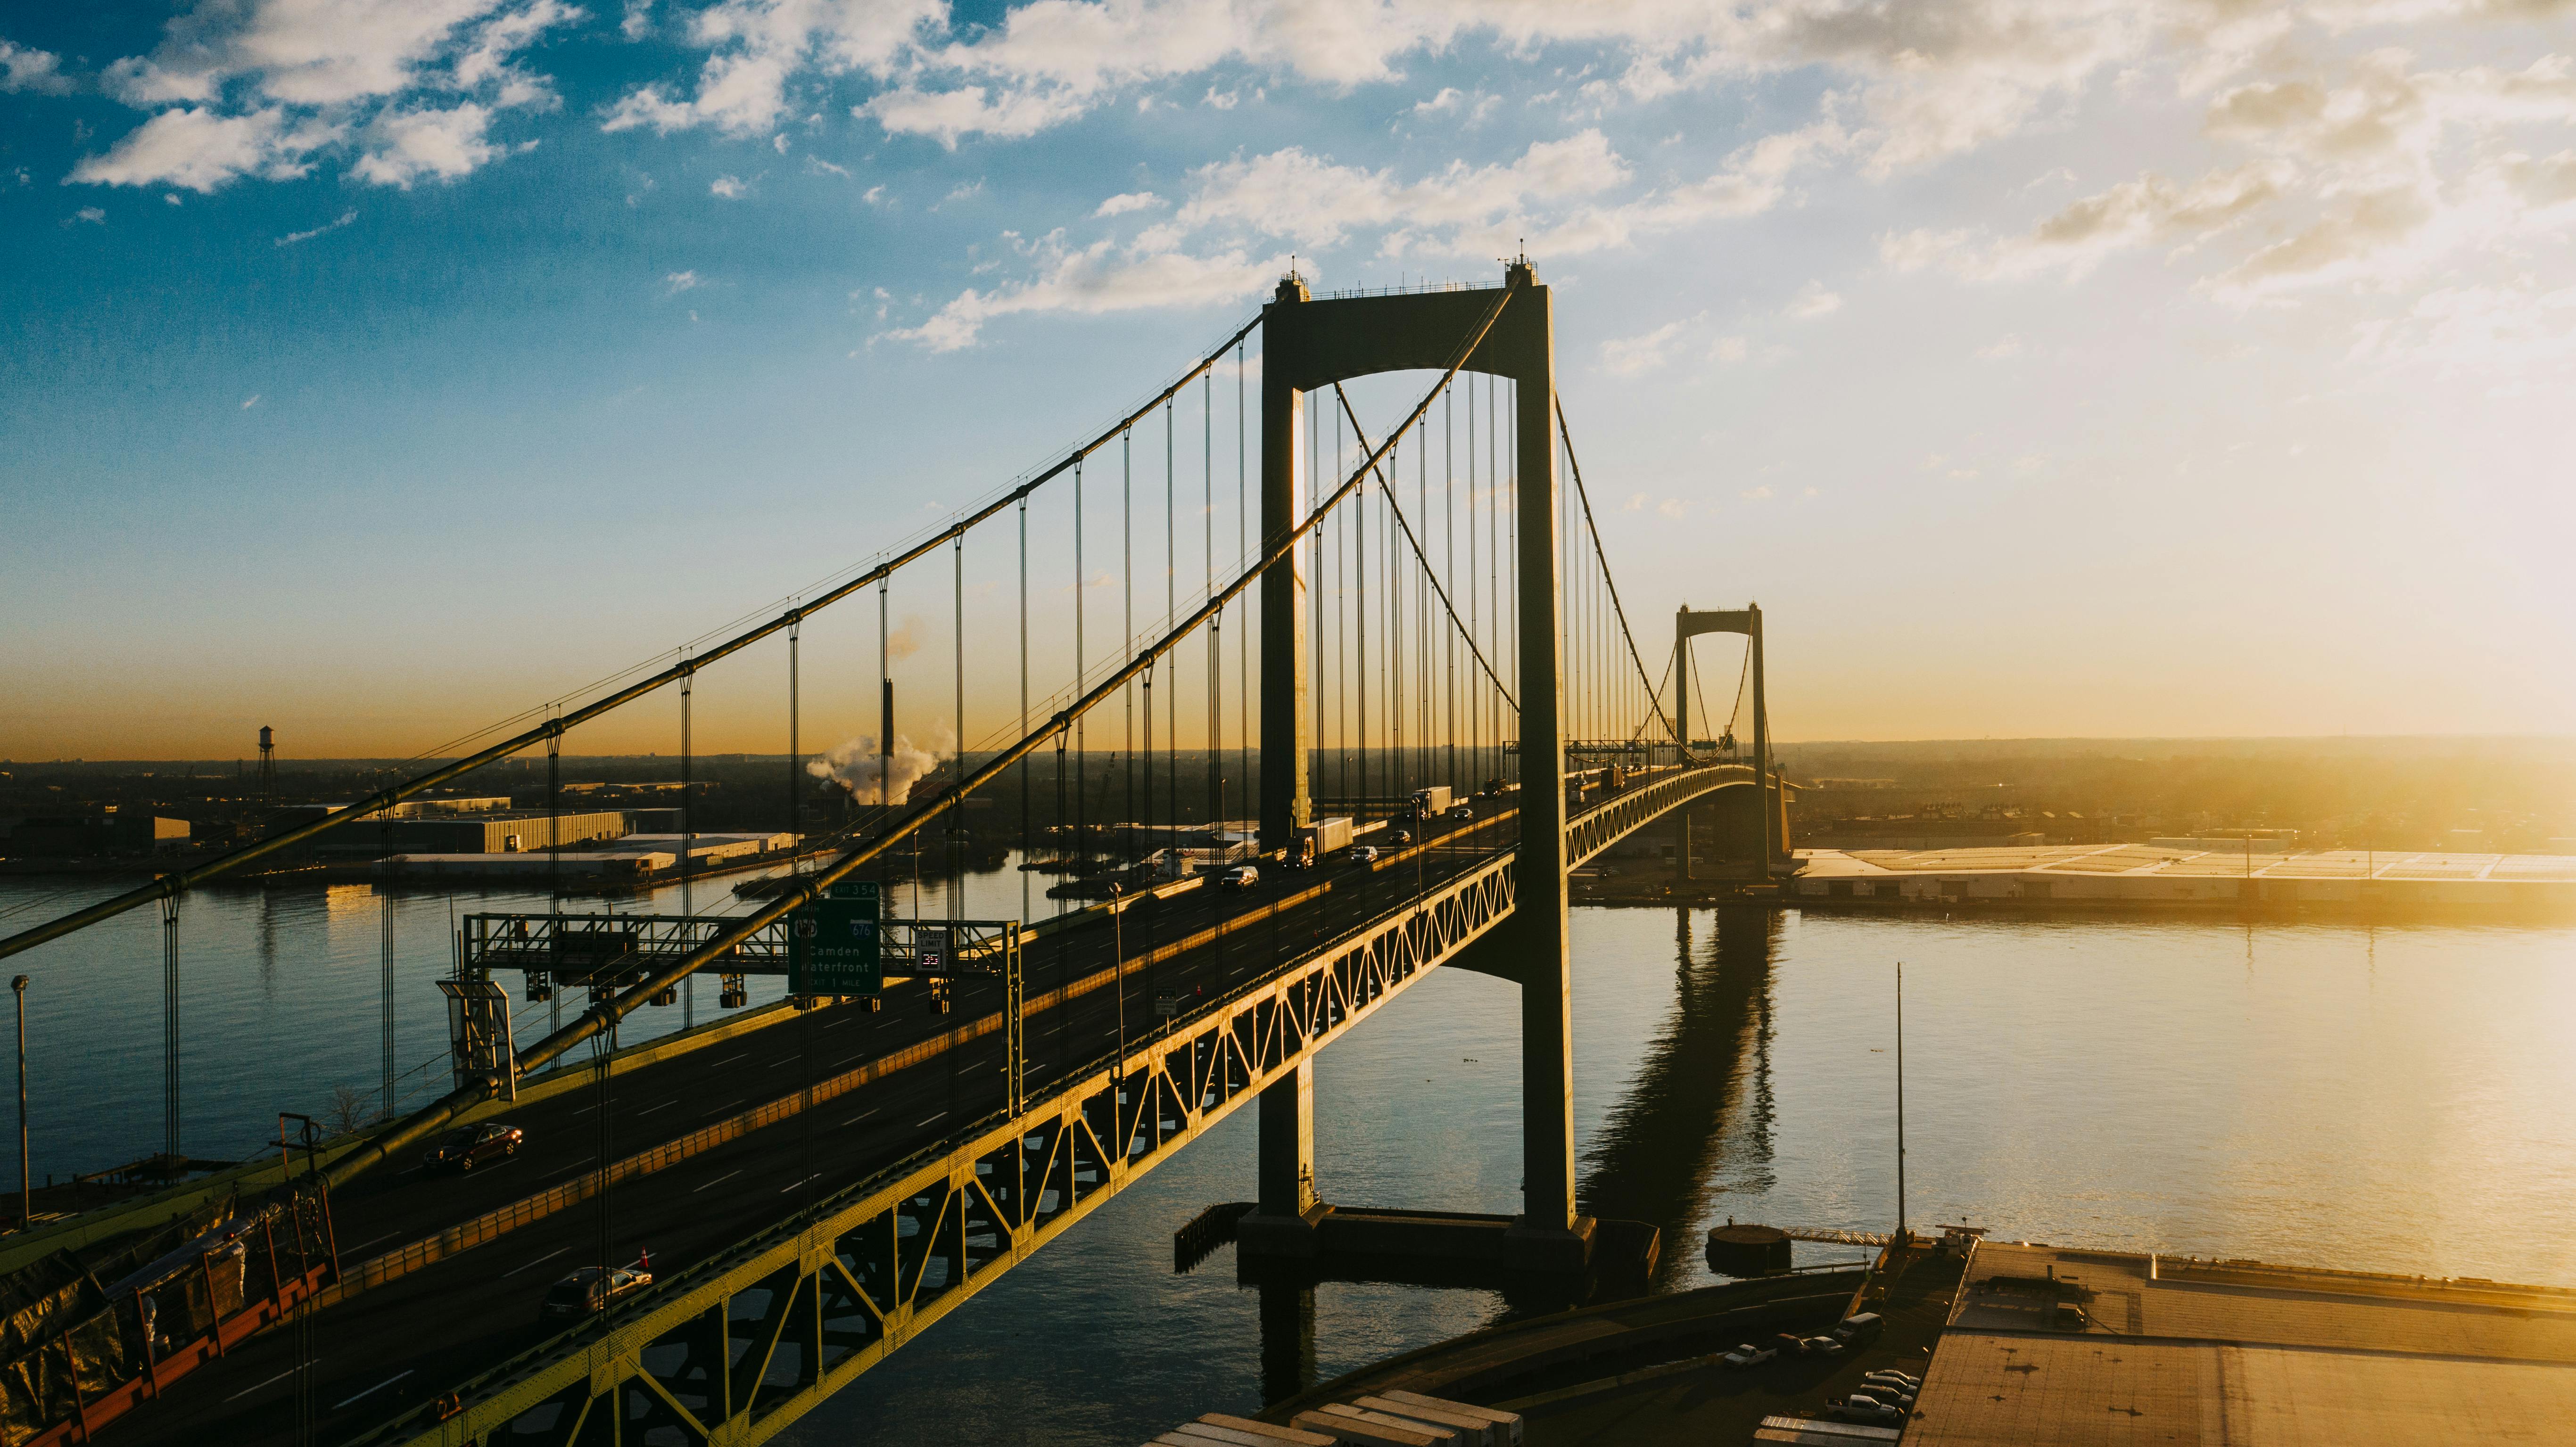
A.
pixel 2044 369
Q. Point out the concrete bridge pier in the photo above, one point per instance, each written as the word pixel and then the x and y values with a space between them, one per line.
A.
pixel 1282 1221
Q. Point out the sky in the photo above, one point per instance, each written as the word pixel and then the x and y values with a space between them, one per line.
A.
pixel 378 369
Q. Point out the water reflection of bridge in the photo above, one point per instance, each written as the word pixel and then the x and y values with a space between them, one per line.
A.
pixel 1699 1106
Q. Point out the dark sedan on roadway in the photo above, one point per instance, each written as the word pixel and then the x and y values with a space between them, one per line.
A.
pixel 466 1147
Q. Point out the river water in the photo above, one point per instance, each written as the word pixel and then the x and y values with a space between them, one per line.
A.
pixel 2392 1097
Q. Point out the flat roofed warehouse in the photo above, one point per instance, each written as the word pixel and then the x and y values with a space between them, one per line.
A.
pixel 2112 1348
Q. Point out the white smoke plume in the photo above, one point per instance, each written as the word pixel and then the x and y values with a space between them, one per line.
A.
pixel 856 765
pixel 905 640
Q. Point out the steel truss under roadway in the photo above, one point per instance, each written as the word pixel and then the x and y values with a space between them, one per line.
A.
pixel 731 1351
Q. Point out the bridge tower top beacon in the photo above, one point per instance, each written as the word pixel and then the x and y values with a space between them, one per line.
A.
pixel 1310 343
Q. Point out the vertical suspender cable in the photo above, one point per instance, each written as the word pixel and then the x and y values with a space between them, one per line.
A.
pixel 795 719
pixel 1127 638
pixel 1315 605
pixel 1422 611
pixel 1171 615
pixel 1449 563
pixel 885 730
pixel 1025 858
pixel 554 827
pixel 885 711
pixel 1342 631
pixel 956 830
pixel 1475 608
pixel 385 933
pixel 1242 550
pixel 1359 564
pixel 1081 759
pixel 688 840
pixel 1207 585
pixel 1507 603
pixel 170 1030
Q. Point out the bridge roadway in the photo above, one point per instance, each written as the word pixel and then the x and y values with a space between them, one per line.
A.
pixel 421 1333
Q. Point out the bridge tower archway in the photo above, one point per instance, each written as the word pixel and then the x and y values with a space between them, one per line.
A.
pixel 1310 343
pixel 1747 620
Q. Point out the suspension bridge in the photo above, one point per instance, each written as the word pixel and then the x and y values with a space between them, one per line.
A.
pixel 1408 672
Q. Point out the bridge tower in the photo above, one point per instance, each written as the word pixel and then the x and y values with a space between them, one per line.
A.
pixel 1310 343
pixel 1747 621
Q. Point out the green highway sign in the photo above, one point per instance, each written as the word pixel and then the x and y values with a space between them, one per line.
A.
pixel 832 946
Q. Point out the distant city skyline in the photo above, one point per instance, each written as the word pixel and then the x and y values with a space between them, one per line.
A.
pixel 377 372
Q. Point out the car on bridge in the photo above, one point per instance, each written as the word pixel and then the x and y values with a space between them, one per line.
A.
pixel 590 1291
pixel 1749 1355
pixel 1363 854
pixel 1242 876
pixel 466 1147
pixel 1462 811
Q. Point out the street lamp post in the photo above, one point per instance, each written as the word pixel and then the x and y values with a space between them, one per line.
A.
pixel 26 1195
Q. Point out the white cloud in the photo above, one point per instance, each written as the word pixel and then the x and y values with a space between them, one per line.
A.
pixel 407 146
pixel 1638 355
pixel 35 70
pixel 1755 494
pixel 756 48
pixel 262 85
pixel 728 187
pixel 1673 507
pixel 949 116
pixel 325 53
pixel 2516 330
pixel 1095 280
pixel 293 238
pixel 200 150
pixel 1729 350
pixel 2000 349
pixel 2365 174
pixel 90 215
pixel 680 281
pixel 1813 301
pixel 1461 210
pixel 2088 231
pixel 250 401
pixel 1120 205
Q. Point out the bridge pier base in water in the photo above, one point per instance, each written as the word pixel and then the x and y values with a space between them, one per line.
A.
pixel 1282 1222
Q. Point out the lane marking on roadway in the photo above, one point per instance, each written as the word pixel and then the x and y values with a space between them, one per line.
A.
pixel 540 1261
pixel 718 1181
pixel 916 1125
pixel 792 1185
pixel 666 1105
pixel 862 1115
pixel 378 1387
pixel 730 1059
pixel 273 1381
pixel 783 1064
